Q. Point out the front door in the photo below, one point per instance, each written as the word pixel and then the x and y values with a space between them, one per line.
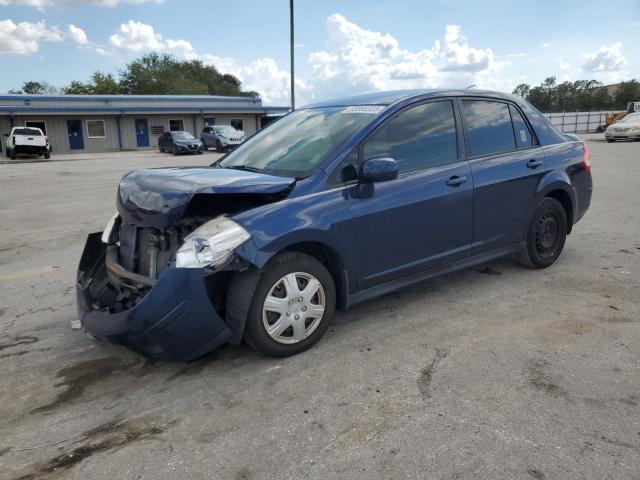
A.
pixel 142 132
pixel 507 167
pixel 74 128
pixel 424 218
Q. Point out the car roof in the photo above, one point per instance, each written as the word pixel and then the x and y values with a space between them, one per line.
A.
pixel 390 97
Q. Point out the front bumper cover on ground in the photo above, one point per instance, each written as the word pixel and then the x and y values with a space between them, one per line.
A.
pixel 174 320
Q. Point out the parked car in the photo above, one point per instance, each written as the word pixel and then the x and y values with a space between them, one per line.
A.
pixel 27 141
pixel 626 129
pixel 179 142
pixel 222 137
pixel 330 206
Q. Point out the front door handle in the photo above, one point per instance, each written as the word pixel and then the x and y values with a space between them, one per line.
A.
pixel 533 163
pixel 456 181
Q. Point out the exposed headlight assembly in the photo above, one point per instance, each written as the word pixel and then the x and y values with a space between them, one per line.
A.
pixel 211 244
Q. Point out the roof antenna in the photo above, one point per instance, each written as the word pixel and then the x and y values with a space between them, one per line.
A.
pixel 471 86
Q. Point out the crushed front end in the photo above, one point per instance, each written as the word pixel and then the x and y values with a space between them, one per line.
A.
pixel 152 306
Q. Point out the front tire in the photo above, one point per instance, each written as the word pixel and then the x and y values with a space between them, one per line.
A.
pixel 609 140
pixel 546 236
pixel 219 146
pixel 12 154
pixel 292 305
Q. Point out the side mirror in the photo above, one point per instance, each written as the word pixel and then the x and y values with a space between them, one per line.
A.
pixel 378 170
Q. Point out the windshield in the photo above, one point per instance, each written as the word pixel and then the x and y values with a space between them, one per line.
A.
pixel 633 118
pixel 300 142
pixel 27 131
pixel 226 130
pixel 183 136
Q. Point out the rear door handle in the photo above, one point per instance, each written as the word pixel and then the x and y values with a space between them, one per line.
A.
pixel 456 181
pixel 533 163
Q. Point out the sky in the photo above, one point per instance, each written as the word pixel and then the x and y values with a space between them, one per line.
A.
pixel 342 47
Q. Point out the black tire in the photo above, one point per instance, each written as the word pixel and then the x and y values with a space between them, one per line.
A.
pixel 47 154
pixel 219 146
pixel 175 151
pixel 6 152
pixel 204 145
pixel 160 148
pixel 288 262
pixel 12 154
pixel 546 235
pixel 609 140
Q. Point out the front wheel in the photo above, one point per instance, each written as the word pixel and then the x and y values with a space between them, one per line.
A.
pixel 219 146
pixel 292 305
pixel 12 154
pixel 546 236
pixel 609 140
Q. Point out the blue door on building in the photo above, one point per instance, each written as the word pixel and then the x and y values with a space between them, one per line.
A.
pixel 142 132
pixel 74 128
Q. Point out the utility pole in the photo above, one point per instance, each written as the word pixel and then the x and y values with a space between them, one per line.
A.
pixel 292 46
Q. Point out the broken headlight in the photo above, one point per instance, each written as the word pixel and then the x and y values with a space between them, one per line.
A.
pixel 211 244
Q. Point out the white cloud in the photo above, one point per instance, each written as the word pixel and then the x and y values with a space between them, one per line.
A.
pixel 517 55
pixel 359 60
pixel 73 3
pixel 605 59
pixel 563 64
pixel 136 37
pixel 546 45
pixel 25 37
pixel 76 34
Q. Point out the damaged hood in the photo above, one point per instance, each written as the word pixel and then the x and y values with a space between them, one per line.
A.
pixel 159 197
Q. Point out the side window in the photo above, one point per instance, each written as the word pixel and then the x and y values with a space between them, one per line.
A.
pixel 346 172
pixel 418 138
pixel 523 135
pixel 489 127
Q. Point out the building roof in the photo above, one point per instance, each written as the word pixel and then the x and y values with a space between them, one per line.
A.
pixel 123 104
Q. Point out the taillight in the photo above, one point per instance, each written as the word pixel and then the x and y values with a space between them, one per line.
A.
pixel 586 158
pixel 46 140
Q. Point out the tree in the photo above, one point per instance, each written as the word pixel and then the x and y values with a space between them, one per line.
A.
pixel 77 88
pixel 105 84
pixel 162 74
pixel 38 88
pixel 627 92
pixel 522 90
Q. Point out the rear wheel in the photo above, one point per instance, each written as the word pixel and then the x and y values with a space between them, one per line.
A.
pixel 204 144
pixel 610 140
pixel 546 236
pixel 175 150
pixel 47 154
pixel 219 146
pixel 292 305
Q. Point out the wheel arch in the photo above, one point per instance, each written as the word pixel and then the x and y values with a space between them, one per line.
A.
pixel 557 185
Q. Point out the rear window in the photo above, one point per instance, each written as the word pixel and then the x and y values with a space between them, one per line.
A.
pixel 489 128
pixel 523 135
pixel 27 131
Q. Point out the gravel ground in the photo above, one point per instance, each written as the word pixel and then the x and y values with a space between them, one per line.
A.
pixel 512 374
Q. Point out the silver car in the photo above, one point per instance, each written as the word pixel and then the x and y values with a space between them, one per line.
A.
pixel 626 129
pixel 222 137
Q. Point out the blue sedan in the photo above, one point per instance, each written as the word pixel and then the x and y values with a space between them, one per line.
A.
pixel 330 206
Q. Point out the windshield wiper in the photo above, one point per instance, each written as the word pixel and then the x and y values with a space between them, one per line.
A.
pixel 245 167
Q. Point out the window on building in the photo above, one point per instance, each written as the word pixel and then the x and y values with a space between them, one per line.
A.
pixel 238 124
pixel 418 138
pixel 209 121
pixel 523 135
pixel 176 125
pixel 41 125
pixel 95 129
pixel 489 127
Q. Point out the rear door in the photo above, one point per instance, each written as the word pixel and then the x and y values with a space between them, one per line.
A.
pixel 506 165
